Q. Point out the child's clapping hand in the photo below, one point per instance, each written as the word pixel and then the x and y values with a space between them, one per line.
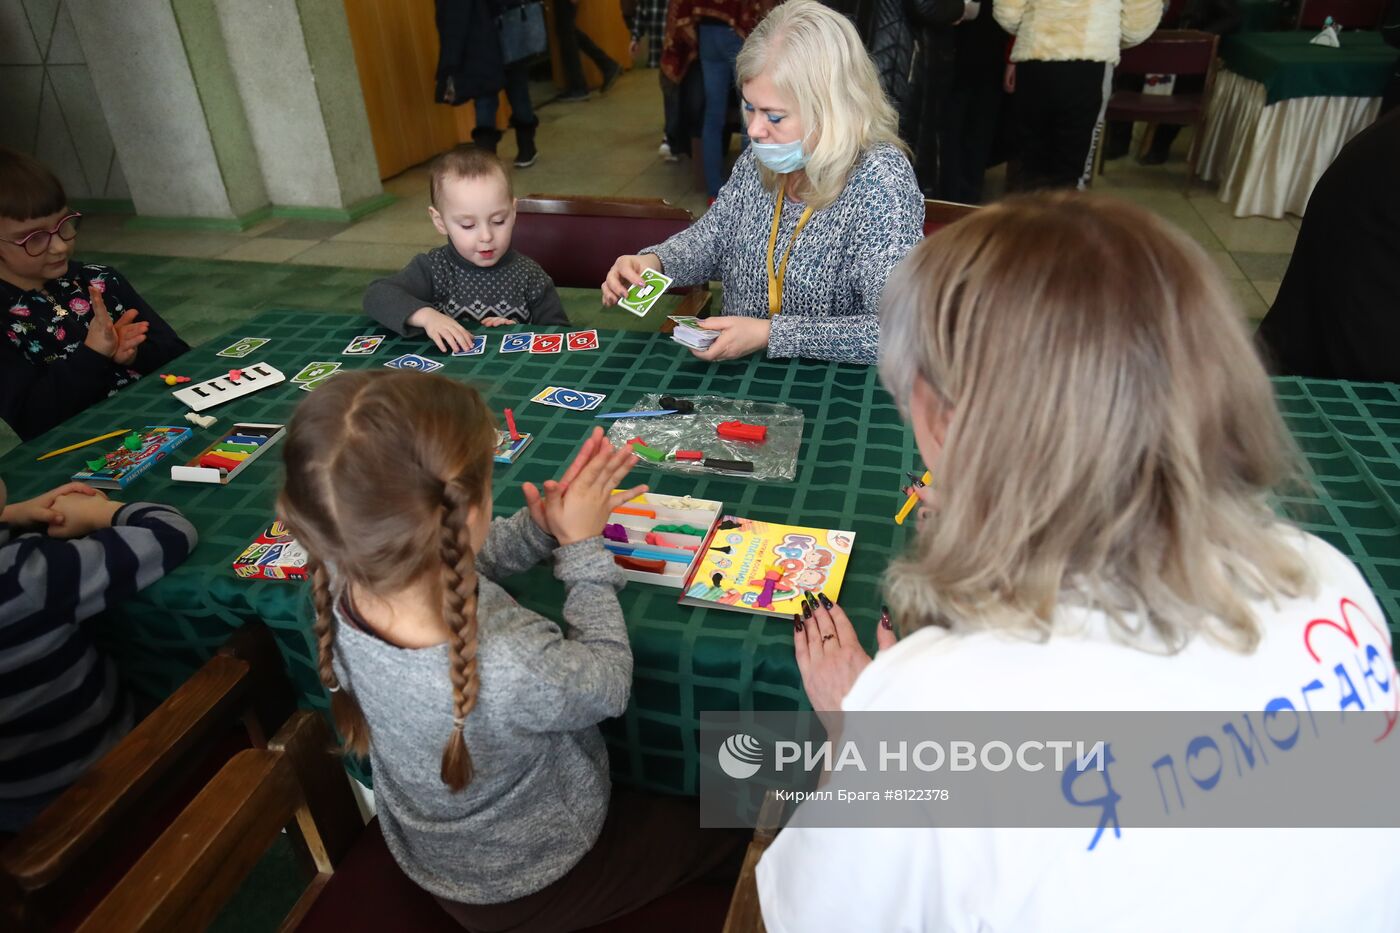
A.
pixel 442 330
pixel 577 506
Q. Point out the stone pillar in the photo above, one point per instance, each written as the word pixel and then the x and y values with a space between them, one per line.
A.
pixel 226 111
pixel 295 70
pixel 167 88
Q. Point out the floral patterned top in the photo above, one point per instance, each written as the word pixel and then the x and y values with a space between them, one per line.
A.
pixel 47 374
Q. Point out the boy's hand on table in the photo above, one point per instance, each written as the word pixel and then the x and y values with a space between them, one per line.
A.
pixel 40 510
pixel 82 514
pixel 442 330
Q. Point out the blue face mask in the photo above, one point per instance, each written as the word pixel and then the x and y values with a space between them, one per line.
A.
pixel 780 157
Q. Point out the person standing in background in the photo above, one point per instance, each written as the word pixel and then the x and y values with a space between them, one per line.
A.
pixel 571 41
pixel 912 46
pixel 974 106
pixel 712 31
pixel 1064 56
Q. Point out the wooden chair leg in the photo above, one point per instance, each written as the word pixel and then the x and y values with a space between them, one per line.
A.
pixel 1148 134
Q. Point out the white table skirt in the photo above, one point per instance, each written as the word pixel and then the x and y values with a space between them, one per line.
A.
pixel 1268 158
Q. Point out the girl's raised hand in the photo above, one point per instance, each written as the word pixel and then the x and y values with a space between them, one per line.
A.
pixel 581 509
pixel 535 499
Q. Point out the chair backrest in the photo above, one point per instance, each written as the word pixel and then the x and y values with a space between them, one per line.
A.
pixel 1351 14
pixel 185 878
pixel 56 865
pixel 577 239
pixel 939 214
pixel 1170 52
pixel 745 911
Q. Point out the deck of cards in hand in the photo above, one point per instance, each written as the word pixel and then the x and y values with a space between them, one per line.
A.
pixel 689 332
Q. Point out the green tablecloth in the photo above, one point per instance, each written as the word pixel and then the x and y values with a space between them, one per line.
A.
pixel 1289 66
pixel 854 453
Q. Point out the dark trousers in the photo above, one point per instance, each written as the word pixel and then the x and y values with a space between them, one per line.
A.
pixel 517 92
pixel 1058 108
pixel 572 40
pixel 649 845
pixel 970 118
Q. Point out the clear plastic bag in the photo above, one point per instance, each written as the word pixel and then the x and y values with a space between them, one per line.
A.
pixel 773 459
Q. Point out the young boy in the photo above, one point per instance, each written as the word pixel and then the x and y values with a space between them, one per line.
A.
pixel 476 276
pixel 61 705
pixel 73 334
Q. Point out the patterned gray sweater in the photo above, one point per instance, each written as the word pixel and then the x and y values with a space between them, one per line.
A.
pixel 515 287
pixel 537 802
pixel 838 266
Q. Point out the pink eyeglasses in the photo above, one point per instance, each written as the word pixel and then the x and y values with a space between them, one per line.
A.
pixel 37 243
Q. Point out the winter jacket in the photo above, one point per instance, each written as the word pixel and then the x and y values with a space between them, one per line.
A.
pixel 1076 30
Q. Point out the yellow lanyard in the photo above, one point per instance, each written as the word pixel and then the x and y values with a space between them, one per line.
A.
pixel 775 279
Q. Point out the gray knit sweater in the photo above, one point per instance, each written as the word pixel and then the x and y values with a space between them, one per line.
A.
pixel 537 802
pixel 838 266
pixel 515 287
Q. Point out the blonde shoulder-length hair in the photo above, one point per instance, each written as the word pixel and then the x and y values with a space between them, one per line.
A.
pixel 815 58
pixel 1113 437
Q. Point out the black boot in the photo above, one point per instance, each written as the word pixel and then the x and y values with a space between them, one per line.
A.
pixel 486 137
pixel 525 152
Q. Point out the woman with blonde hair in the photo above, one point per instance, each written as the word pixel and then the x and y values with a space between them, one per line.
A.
pixel 820 207
pixel 1098 536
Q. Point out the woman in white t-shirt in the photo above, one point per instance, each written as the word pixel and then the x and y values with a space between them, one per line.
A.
pixel 1098 536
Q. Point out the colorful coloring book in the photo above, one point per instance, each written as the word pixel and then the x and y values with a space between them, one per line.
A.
pixel 124 464
pixel 767 563
pixel 273 555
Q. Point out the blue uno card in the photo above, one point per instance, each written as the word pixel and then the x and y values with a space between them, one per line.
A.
pixel 516 343
pixel 478 347
pixel 414 361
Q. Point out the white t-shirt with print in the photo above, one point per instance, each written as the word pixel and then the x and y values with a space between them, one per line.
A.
pixel 1042 880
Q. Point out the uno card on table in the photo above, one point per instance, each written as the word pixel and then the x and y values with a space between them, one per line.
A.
pixel 547 343
pixel 315 372
pixel 243 347
pixel 414 361
pixel 362 346
pixel 583 340
pixel 641 297
pixel 477 347
pixel 572 399
pixel 516 343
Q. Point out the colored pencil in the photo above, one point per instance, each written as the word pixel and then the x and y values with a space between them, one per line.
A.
pixel 82 444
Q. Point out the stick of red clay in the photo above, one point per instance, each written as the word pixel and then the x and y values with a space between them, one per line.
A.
pixel 510 423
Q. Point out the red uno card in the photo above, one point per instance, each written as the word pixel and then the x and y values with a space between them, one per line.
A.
pixel 583 340
pixel 547 343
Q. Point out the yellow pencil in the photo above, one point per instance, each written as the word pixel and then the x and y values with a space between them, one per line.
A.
pixel 912 501
pixel 81 444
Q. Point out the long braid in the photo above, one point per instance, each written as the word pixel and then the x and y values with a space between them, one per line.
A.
pixel 459 612
pixel 349 718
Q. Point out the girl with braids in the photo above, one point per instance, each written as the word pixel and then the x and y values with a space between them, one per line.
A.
pixel 478 716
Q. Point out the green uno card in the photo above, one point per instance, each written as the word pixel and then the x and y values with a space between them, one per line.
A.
pixel 641 297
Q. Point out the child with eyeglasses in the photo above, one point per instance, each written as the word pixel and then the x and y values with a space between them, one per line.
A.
pixel 73 333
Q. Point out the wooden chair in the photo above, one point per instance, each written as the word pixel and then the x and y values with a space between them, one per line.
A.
pixel 58 865
pixel 577 239
pixel 745 915
pixel 1167 51
pixel 1351 14
pixel 298 782
pixel 939 214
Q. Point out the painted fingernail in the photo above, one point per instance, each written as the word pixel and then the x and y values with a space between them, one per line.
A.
pixel 806 611
pixel 796 622
pixel 826 603
pixel 885 618
pixel 809 599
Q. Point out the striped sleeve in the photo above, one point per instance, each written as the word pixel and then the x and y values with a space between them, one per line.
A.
pixel 76 579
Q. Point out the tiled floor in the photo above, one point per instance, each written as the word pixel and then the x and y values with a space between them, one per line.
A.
pixel 203 282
